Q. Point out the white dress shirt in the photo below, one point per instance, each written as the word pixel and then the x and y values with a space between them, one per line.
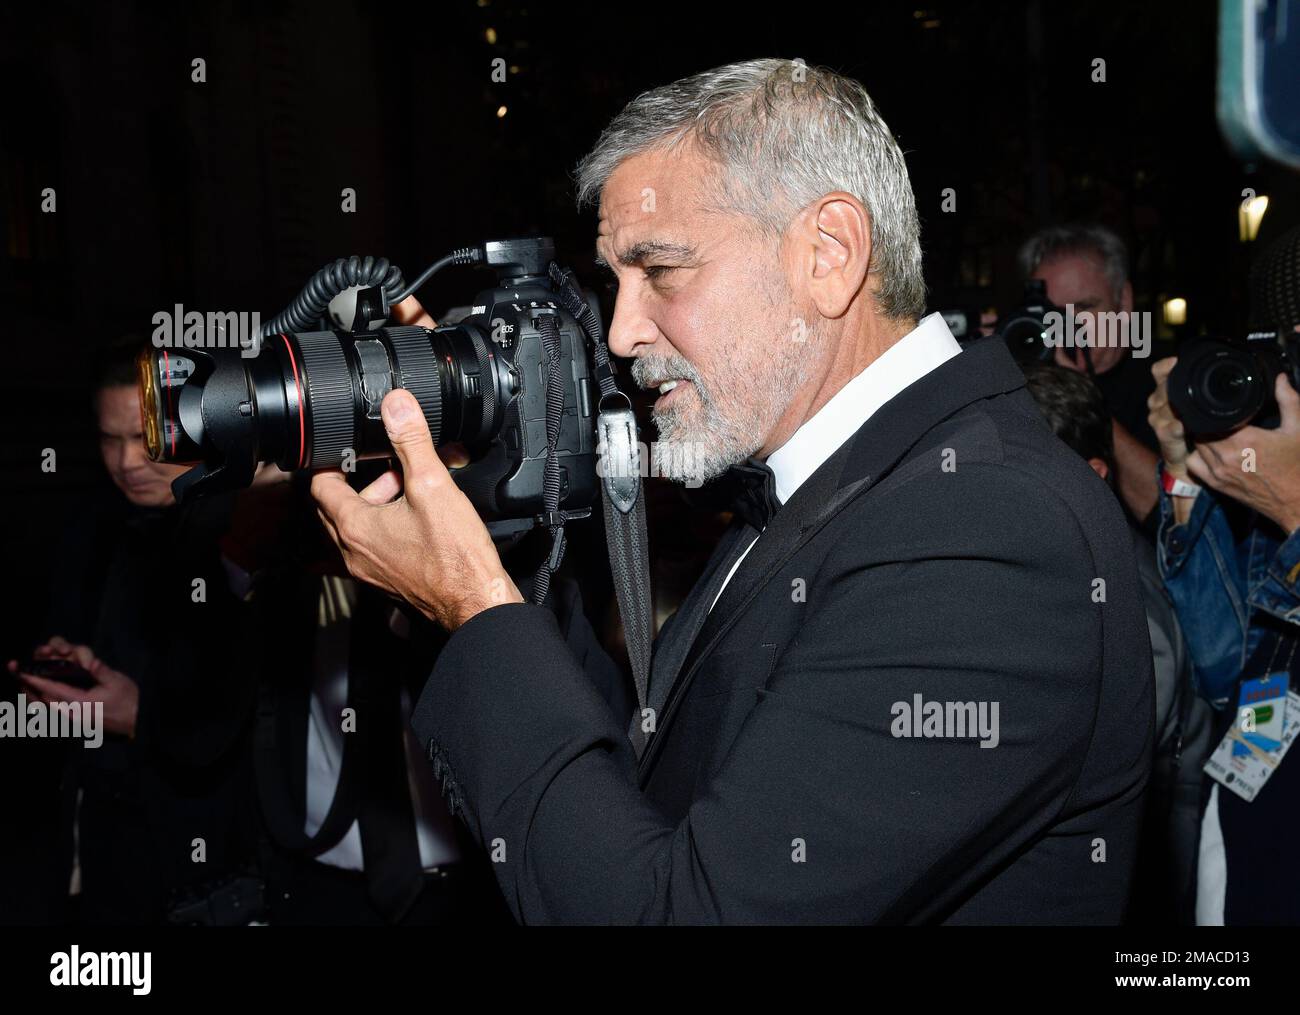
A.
pixel 925 347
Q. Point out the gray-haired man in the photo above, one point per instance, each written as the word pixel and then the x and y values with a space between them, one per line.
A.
pixel 1085 266
pixel 858 714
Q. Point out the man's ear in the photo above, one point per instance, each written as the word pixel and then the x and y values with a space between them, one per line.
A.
pixel 832 240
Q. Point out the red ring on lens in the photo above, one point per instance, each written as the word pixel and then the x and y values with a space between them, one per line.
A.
pixel 302 426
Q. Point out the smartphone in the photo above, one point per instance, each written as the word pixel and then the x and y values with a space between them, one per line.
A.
pixel 65 671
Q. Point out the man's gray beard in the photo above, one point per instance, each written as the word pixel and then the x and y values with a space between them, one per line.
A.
pixel 695 454
pixel 680 454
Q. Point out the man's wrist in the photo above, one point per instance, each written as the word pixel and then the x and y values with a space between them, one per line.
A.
pixel 499 591
pixel 1178 486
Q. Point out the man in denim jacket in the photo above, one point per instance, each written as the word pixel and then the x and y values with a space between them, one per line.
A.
pixel 1220 566
pixel 1229 552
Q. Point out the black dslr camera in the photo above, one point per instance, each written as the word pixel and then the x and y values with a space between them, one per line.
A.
pixel 1024 329
pixel 512 381
pixel 1217 387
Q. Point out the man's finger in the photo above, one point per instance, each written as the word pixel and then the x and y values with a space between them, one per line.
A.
pixel 1161 367
pixel 333 496
pixel 408 432
pixel 383 489
pixel 330 530
pixel 84 656
pixel 409 311
pixel 1289 403
pixel 454 455
pixel 59 644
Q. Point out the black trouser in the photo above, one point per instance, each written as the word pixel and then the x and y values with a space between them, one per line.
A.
pixel 302 891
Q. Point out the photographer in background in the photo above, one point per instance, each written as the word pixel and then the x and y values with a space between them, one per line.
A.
pixel 1165 888
pixel 1087 266
pixel 141 604
pixel 1228 534
pixel 1229 551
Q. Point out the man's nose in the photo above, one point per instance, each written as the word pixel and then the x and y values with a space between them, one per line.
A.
pixel 134 455
pixel 630 330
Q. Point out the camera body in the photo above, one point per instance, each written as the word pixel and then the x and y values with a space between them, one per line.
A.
pixel 505 476
pixel 1023 329
pixel 1217 387
pixel 311 399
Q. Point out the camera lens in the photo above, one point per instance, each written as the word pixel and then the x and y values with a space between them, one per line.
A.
pixel 312 400
pixel 1216 387
pixel 161 374
pixel 1226 385
pixel 1025 338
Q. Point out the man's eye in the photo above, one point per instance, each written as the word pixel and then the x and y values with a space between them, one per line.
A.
pixel 655 271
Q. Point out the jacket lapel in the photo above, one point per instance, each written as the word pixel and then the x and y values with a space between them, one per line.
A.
pixel 680 631
pixel 787 531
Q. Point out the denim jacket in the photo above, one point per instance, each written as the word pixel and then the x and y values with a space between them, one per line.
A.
pixel 1230 581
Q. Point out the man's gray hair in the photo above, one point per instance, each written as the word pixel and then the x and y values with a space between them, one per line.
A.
pixel 783 134
pixel 1087 239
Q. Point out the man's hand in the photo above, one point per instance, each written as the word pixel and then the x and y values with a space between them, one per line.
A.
pixel 1171 435
pixel 117 691
pixel 1272 486
pixel 415 534
pixel 1168 427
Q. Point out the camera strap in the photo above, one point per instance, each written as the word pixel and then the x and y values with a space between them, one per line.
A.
pixel 619 461
pixel 552 517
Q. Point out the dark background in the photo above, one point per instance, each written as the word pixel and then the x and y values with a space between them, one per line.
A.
pixel 225 195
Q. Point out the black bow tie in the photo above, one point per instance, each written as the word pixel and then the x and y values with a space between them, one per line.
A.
pixel 756 502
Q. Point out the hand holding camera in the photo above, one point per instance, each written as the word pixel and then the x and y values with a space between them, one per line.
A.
pixel 1256 466
pixel 415 535
pixel 1198 410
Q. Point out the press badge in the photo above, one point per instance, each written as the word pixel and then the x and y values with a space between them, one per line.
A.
pixel 1268 717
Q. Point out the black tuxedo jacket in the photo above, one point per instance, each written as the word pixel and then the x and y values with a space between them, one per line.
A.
pixel 953 551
